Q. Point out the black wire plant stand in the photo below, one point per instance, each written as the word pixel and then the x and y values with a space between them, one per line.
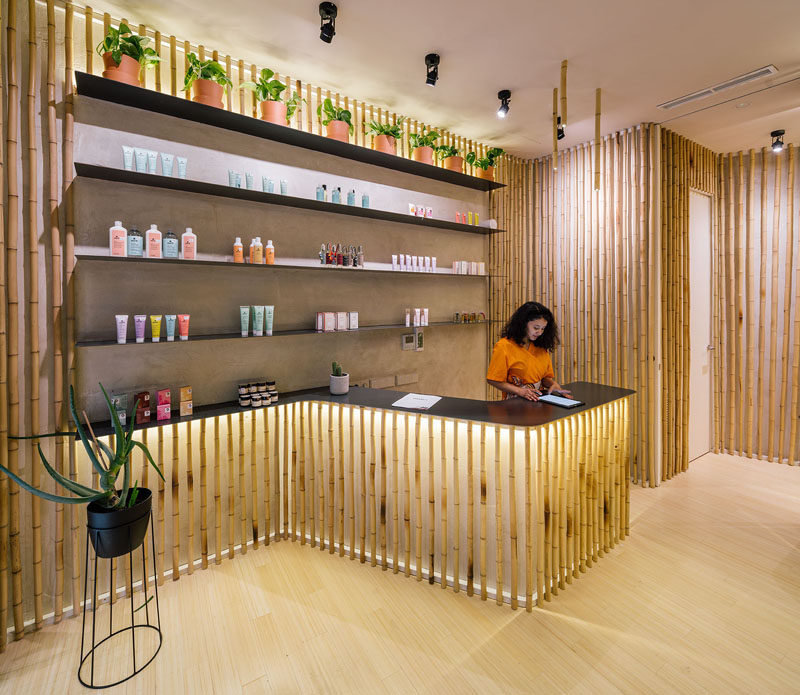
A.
pixel 88 657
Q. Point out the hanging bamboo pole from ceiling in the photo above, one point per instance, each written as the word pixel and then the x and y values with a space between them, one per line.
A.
pixel 4 484
pixel 555 129
pixel 597 143
pixel 564 93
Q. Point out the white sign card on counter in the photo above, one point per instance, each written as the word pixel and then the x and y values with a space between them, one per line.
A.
pixel 417 401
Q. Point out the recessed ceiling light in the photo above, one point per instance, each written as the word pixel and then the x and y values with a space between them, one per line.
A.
pixel 742 104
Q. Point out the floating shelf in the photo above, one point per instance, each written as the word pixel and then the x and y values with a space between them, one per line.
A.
pixel 150 100
pixel 275 334
pixel 341 271
pixel 93 171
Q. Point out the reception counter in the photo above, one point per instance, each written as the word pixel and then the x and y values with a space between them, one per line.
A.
pixel 511 500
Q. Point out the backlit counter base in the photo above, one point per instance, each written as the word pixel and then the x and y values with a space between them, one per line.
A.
pixel 512 512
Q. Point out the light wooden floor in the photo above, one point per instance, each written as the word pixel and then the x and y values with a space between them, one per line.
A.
pixel 703 597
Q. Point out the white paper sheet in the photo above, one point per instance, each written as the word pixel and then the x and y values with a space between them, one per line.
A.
pixel 418 401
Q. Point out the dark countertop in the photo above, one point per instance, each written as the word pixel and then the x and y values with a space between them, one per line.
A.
pixel 512 412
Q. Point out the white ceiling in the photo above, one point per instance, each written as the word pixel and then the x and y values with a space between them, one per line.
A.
pixel 640 52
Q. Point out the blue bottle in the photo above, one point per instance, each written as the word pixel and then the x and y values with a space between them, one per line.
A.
pixel 364 201
pixel 135 243
pixel 170 245
pixel 351 198
pixel 336 195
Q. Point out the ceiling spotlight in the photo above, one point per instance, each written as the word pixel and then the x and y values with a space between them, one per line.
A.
pixel 432 64
pixel 504 95
pixel 777 140
pixel 561 130
pixel 327 29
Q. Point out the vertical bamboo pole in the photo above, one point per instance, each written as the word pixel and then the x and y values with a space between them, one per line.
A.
pixel 351 483
pixel 12 294
pixel 431 506
pixel 312 490
pixel 443 501
pixel 362 526
pixel 189 500
pixel 407 497
pixel 173 66
pixel 320 479
pixel 789 292
pixel 382 508
pixel 218 498
pixel 470 510
pixel 762 293
pixel 162 501
pixel 332 486
pixel 418 496
pixel 456 511
pixel 529 569
pixel 4 484
pixel 231 493
pixel 342 483
pixel 791 452
pixel 284 411
pixel 498 510
pixel 751 300
pixel 302 454
pixel 253 480
pixel 88 41
pixel 395 499
pixel 242 490
pixel 176 518
pixel 268 494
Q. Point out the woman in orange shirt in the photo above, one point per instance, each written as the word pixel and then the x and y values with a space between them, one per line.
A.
pixel 520 364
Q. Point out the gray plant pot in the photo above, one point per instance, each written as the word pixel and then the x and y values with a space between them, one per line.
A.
pixel 340 384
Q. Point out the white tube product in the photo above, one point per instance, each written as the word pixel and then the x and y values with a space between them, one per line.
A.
pixel 424 316
pixel 181 167
pixel 141 160
pixel 167 162
pixel 122 328
pixel 152 161
pixel 417 316
pixel 269 314
pixel 127 158
pixel 139 323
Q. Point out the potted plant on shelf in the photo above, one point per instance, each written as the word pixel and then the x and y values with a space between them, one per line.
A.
pixel 422 146
pixel 274 109
pixel 125 54
pixel 485 165
pixel 340 383
pixel 207 78
pixel 337 121
pixel 385 135
pixel 451 158
pixel 117 519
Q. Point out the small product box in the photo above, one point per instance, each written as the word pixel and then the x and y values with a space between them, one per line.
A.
pixel 429 213
pixel 408 261
pixel 162 412
pixel 473 268
pixel 427 264
pixel 401 265
pixel 142 416
pixel 412 209
pixel 433 264
pixel 414 265
pixel 330 322
pixel 464 267
pixel 469 217
pixel 122 417
pixel 420 211
pixel 341 320
pixel 424 316
pixel 186 408
pixel 353 322
pixel 163 397
pixel 458 218
pixel 186 393
pixel 119 401
pixel 320 321
pixel 481 268
pixel 143 400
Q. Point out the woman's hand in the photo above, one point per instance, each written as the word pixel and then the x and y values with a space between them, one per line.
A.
pixel 528 392
pixel 555 387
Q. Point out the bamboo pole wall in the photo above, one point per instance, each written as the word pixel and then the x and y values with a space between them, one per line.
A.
pixel 757 293
pixel 591 258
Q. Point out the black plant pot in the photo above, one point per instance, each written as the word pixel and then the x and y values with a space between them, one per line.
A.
pixel 116 532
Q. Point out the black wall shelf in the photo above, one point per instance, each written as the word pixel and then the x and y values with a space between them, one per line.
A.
pixel 150 100
pixel 93 171
pixel 276 334
pixel 339 271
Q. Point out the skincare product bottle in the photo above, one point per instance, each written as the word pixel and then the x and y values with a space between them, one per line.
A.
pixel 232 178
pixel 394 261
pixel 425 316
pixel 118 240
pixel 353 257
pixel 417 316
pixel 284 187
pixel 360 256
pixel 152 161
pixel 169 245
pixel 433 264
pixel 364 201
pixel 183 326
pixel 267 185
pixel 189 245
pixel 181 167
pixel 155 327
pixel 153 242
pixel 167 162
pixel 135 243
pixel 408 317
pixel 244 319
pixel 348 256
pixel 170 320
pixel 269 314
pixel 339 255
pixel 122 328
pixel 258 252
pixel 322 254
pixel 320 192
pixel 258 320
pixel 238 180
pixel 238 251
pixel 141 160
pixel 336 195
pixel 324 193
pixel 269 253
pixel 139 322
pixel 251 250
pixel 248 181
pixel 127 158
pixel 469 217
pixel 351 197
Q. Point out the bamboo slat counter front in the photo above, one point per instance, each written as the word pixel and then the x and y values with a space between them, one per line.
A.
pixel 506 483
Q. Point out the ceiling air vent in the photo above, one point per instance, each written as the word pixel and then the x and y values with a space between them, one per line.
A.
pixel 721 87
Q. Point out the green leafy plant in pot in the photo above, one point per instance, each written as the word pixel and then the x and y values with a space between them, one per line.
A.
pixel 421 145
pixel 485 165
pixel 338 122
pixel 386 135
pixel 207 79
pixel 340 383
pixel 452 160
pixel 125 54
pixel 275 108
pixel 117 518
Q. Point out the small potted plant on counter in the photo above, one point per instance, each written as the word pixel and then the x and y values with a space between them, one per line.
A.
pixel 117 518
pixel 207 79
pixel 450 157
pixel 485 165
pixel 274 108
pixel 125 54
pixel 340 383
pixel 422 146
pixel 337 121
pixel 386 135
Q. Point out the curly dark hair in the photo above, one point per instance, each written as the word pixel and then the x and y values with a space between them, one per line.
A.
pixel 517 327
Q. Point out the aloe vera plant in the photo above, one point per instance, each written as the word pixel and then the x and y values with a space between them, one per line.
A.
pixel 108 464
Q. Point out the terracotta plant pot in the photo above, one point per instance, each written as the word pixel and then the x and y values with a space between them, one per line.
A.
pixel 454 163
pixel 384 143
pixel 487 174
pixel 273 112
pixel 127 71
pixel 423 154
pixel 338 130
pixel 207 92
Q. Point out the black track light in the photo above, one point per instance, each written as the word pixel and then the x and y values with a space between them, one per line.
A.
pixel 777 140
pixel 504 95
pixel 432 65
pixel 327 29
pixel 560 129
